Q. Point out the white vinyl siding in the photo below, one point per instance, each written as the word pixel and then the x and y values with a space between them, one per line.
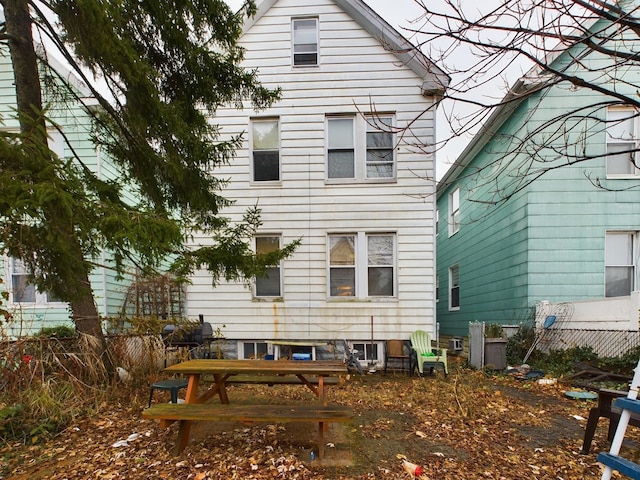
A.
pixel 354 72
pixel 622 138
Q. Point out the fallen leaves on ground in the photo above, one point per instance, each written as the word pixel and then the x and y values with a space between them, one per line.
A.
pixel 465 426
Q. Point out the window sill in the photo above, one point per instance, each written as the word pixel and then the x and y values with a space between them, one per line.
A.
pixel 628 176
pixel 362 300
pixel 352 181
pixel 454 309
pixel 269 184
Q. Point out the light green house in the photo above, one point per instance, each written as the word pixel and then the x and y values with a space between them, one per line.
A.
pixel 33 310
pixel 515 231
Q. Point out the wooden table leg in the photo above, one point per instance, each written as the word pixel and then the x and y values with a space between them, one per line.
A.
pixel 222 390
pixel 183 436
pixel 192 389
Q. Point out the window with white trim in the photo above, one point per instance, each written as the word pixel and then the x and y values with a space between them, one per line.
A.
pixel 265 149
pixel 253 350
pixel 362 265
pixel 368 353
pixel 305 51
pixel 454 288
pixel 437 287
pixel 22 290
pixel 270 285
pixel 361 148
pixel 454 211
pixel 622 138
pixel 621 254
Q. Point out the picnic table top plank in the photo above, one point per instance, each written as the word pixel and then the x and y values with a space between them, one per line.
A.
pixel 273 367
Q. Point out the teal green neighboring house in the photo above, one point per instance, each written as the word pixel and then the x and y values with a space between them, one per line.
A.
pixel 506 243
pixel 33 310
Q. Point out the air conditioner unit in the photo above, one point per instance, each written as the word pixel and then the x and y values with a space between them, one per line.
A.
pixel 456 345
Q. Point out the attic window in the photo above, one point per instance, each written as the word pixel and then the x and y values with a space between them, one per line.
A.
pixel 305 42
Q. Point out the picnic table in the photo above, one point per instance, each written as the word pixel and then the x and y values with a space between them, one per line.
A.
pixel 310 374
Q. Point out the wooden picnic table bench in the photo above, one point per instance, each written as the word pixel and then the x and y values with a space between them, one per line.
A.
pixel 185 413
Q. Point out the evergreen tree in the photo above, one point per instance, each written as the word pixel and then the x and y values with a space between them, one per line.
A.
pixel 167 65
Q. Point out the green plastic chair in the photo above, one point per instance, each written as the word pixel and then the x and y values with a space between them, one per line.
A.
pixel 425 354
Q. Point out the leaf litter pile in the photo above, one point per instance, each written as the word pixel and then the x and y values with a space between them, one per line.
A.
pixel 468 425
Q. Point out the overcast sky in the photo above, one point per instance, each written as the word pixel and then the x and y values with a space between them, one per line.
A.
pixel 399 14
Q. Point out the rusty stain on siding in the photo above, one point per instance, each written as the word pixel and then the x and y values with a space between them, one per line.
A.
pixel 276 321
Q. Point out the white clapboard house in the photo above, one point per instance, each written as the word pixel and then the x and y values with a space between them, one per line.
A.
pixel 344 161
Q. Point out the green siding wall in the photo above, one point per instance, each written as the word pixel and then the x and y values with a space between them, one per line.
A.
pixel 546 242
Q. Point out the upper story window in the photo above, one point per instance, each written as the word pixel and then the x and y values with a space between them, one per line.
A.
pixel 360 148
pixel 454 288
pixel 305 42
pixel 622 138
pixel 22 291
pixel 265 149
pixel 270 285
pixel 620 254
pixel 454 211
pixel 362 265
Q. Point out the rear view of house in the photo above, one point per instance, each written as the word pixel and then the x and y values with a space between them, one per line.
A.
pixel 342 162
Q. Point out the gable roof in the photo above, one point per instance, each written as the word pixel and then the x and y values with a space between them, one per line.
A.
pixel 434 80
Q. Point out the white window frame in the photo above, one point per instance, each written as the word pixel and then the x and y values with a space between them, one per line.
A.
pixel 41 299
pixel 454 211
pixel 296 51
pixel 257 148
pixel 367 353
pixel 614 251
pixel 363 127
pixel 454 272
pixel 270 270
pixel 361 267
pixel 268 348
pixel 437 287
pixel 621 139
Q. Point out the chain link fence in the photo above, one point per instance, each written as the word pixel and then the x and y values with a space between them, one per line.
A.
pixel 605 343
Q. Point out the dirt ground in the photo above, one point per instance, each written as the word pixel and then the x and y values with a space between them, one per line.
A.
pixel 469 425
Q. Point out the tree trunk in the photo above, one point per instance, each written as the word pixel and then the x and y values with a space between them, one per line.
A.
pixel 29 105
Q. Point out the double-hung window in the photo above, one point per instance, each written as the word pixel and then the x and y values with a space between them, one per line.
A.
pixel 362 265
pixel 454 287
pixel 265 141
pixel 341 148
pixel 454 211
pixel 621 259
pixel 360 148
pixel 269 285
pixel 622 139
pixel 305 51
pixel 22 290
